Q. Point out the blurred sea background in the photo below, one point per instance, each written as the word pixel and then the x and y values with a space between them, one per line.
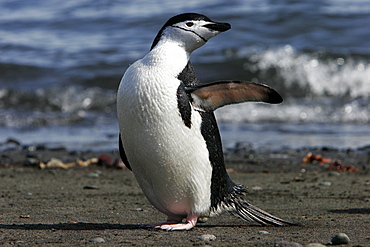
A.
pixel 61 62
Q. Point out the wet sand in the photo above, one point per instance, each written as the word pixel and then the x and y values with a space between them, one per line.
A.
pixel 71 207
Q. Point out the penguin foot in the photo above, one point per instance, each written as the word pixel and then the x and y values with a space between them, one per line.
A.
pixel 191 221
pixel 169 221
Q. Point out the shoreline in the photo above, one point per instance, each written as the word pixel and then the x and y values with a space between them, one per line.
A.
pixel 102 201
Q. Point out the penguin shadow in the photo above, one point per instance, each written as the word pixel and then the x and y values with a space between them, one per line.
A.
pixel 83 226
pixel 80 226
pixel 351 211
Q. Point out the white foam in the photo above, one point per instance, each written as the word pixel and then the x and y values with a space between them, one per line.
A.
pixel 323 75
pixel 310 110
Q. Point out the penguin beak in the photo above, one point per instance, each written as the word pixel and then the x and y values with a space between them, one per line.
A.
pixel 218 26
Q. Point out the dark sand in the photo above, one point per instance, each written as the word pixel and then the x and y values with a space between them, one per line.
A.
pixel 53 207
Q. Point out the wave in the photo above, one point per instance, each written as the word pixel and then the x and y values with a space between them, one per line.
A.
pixel 316 86
pixel 55 106
pixel 304 74
pixel 308 110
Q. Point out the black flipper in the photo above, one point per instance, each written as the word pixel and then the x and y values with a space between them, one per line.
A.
pixel 225 194
pixel 183 105
pixel 122 153
pixel 209 97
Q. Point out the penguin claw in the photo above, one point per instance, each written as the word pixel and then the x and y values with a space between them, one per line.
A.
pixel 177 227
pixel 158 224
pixel 172 225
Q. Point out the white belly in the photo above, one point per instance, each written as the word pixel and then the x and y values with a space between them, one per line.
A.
pixel 170 161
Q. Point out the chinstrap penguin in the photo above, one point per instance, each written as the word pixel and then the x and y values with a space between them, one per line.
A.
pixel 168 132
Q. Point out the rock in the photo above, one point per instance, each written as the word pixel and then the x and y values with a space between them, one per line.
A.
pixel 202 219
pixel 89 187
pixel 139 209
pixel 334 174
pixel 286 244
pixel 207 237
pixel 315 245
pixel 325 183
pixel 97 240
pixel 93 175
pixel 340 238
pixel 263 232
pixel 104 160
pixel 31 162
pixel 256 188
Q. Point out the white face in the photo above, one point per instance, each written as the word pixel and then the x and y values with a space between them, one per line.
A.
pixel 192 34
pixel 198 28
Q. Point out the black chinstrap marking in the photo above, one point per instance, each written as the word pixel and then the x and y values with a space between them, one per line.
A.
pixel 205 41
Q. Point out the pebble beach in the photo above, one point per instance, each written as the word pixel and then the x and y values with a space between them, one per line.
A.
pixel 96 200
pixel 307 160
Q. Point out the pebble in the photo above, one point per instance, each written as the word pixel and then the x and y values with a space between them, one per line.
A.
pixel 89 187
pixel 256 188
pixel 31 162
pixel 93 175
pixel 286 244
pixel 340 238
pixel 263 232
pixel 325 183
pixel 207 237
pixel 202 219
pixel 315 245
pixel 334 174
pixel 139 209
pixel 97 240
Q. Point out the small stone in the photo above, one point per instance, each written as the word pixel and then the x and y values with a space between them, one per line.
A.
pixel 97 240
pixel 207 237
pixel 31 162
pixel 286 244
pixel 139 209
pixel 340 238
pixel 202 219
pixel 334 174
pixel 314 245
pixel 263 232
pixel 256 188
pixel 89 187
pixel 93 175
pixel 325 183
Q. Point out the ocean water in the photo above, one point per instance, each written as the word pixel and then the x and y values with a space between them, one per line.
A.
pixel 61 63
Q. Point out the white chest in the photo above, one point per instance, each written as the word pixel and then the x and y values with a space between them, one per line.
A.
pixel 170 160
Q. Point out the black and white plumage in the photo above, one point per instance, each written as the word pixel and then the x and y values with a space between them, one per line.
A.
pixel 168 133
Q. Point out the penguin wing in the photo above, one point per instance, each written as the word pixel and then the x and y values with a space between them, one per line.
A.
pixel 123 154
pixel 209 97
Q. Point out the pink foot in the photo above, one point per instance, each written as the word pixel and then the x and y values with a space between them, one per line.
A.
pixel 170 220
pixel 191 221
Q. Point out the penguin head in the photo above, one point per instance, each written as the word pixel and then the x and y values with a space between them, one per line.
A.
pixel 189 30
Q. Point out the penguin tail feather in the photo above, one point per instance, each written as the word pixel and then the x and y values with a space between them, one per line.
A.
pixel 239 207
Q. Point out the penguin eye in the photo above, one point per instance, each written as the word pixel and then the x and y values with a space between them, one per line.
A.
pixel 189 24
